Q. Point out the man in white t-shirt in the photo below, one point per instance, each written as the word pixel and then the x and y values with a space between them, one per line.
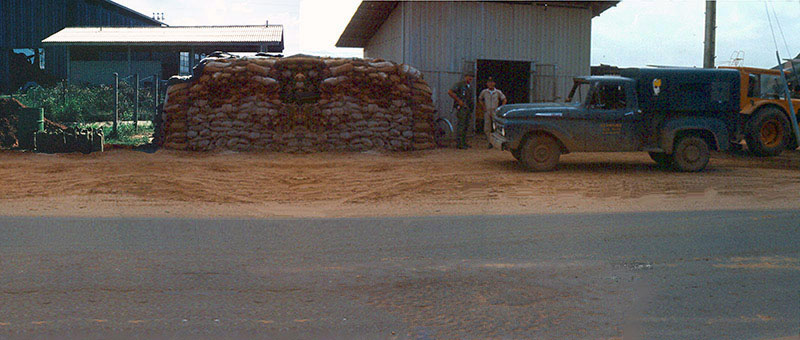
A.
pixel 490 99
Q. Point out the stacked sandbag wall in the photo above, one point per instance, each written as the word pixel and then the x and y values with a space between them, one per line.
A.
pixel 298 104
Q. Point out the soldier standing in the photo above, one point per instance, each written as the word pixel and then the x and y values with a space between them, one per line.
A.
pixel 462 94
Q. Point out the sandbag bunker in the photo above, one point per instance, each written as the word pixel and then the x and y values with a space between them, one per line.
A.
pixel 298 104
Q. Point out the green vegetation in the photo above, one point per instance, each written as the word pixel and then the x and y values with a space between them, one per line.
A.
pixel 73 104
pixel 126 135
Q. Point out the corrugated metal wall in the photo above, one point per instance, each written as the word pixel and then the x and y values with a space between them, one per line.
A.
pixel 444 38
pixel 25 23
pixel 387 42
pixel 4 5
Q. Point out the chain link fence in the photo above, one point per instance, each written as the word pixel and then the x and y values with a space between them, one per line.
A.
pixel 136 99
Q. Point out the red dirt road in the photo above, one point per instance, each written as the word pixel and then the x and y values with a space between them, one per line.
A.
pixel 445 181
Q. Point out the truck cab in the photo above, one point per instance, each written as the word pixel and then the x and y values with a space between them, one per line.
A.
pixel 676 115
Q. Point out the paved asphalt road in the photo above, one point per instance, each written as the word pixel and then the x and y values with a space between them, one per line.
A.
pixel 722 274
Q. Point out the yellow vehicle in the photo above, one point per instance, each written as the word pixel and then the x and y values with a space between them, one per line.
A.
pixel 765 123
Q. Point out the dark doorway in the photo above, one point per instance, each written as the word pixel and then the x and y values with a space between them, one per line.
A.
pixel 511 77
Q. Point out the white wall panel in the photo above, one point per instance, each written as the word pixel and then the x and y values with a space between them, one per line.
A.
pixel 441 36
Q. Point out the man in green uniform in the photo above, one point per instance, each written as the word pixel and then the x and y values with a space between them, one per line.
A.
pixel 463 95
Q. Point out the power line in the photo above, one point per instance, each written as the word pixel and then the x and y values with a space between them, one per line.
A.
pixel 777 21
pixel 766 8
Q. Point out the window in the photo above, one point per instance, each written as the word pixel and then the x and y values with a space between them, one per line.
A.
pixel 33 56
pixel 771 86
pixel 608 97
pixel 185 63
pixel 579 92
pixel 753 86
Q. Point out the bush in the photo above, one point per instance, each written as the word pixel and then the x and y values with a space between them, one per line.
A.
pixel 85 104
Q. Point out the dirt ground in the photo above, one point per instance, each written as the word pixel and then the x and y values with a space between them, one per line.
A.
pixel 438 182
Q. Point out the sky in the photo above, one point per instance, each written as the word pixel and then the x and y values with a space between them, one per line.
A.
pixel 634 33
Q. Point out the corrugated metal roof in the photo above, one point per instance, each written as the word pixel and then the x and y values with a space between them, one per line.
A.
pixel 131 11
pixel 195 35
pixel 370 15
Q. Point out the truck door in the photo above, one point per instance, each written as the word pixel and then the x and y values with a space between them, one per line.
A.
pixel 613 118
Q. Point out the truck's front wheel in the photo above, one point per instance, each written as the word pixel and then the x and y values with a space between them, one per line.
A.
pixel 691 154
pixel 768 132
pixel 540 153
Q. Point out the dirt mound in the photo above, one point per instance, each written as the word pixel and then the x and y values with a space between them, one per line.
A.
pixel 9 107
pixel 9 116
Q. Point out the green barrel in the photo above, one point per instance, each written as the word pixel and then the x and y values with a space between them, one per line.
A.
pixel 29 122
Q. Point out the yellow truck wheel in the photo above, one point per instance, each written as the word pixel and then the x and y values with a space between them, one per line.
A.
pixel 768 132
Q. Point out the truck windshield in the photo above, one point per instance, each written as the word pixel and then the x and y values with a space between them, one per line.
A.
pixel 579 92
pixel 766 86
pixel 771 86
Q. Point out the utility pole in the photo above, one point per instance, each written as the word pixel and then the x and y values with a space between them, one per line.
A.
pixel 711 28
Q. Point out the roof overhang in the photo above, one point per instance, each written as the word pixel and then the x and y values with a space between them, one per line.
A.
pixel 270 36
pixel 371 15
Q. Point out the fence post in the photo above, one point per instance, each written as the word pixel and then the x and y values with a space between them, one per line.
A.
pixel 155 96
pixel 136 104
pixel 64 93
pixel 116 104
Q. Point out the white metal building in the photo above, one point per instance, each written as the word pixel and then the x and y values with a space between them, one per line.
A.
pixel 532 49
pixel 95 53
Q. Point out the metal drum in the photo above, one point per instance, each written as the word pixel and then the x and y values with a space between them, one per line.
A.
pixel 29 122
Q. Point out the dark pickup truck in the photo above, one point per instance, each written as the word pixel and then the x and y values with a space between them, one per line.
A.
pixel 676 115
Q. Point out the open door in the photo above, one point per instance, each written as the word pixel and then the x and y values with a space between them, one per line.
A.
pixel 511 77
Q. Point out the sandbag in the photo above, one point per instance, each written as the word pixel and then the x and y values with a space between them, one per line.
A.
pixel 298 104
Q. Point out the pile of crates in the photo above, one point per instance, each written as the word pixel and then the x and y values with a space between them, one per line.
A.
pixel 86 140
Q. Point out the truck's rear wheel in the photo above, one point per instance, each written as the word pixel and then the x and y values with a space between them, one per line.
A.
pixel 691 154
pixel 768 132
pixel 540 153
pixel 661 158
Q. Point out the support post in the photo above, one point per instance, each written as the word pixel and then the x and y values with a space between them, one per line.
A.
pixel 711 28
pixel 155 96
pixel 788 94
pixel 191 61
pixel 64 93
pixel 130 62
pixel 69 64
pixel 136 104
pixel 116 104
